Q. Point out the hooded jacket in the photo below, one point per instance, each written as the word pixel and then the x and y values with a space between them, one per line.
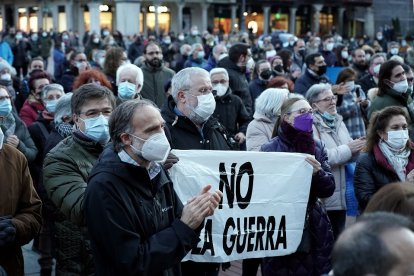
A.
pixel 134 222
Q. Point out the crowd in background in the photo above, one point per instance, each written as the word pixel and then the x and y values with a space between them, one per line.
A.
pixel 346 102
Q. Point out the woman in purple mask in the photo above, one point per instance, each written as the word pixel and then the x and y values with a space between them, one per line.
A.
pixel 295 135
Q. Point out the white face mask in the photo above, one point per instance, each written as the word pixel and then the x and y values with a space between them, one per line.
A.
pixel 1 138
pixel 5 77
pixel 96 40
pixel 377 69
pixel 401 86
pixel 344 54
pixel 250 64
pixel 329 46
pixel 156 148
pixel 397 139
pixel 205 107
pixel 350 85
pixel 194 32
pixel 270 54
pixel 221 89
pixel 222 56
pixel 394 51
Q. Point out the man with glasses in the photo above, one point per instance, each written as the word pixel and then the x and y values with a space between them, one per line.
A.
pixel 155 74
pixel 188 118
pixel 66 170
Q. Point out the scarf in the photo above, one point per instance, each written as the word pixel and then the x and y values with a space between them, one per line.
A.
pixel 397 159
pixel 64 129
pixel 8 125
pixel 301 141
pixel 329 119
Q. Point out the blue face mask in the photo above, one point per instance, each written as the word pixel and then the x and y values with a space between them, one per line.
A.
pixel 51 105
pixel 126 90
pixel 97 129
pixel 5 107
pixel 329 119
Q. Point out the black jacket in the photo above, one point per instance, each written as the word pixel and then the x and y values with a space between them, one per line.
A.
pixel 304 82
pixel 237 82
pixel 231 112
pixel 133 221
pixel 367 82
pixel 185 134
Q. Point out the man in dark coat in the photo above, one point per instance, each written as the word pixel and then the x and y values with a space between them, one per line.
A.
pixel 137 224
pixel 370 80
pixel 188 118
pixel 314 74
pixel 235 64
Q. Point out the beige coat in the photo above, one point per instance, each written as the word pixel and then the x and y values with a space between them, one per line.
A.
pixel 339 154
pixel 259 131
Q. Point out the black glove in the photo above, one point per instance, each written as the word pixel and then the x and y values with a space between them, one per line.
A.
pixel 7 231
pixel 171 160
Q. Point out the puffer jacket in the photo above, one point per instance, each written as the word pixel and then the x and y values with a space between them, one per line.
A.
pixel 65 172
pixel 185 134
pixel 339 154
pixel 373 171
pixel 237 82
pixel 259 131
pixel 318 260
pixel 134 222
pixel 231 112
pixel 155 78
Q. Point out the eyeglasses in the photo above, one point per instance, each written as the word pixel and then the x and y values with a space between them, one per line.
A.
pixel 93 113
pixel 223 81
pixel 154 53
pixel 302 111
pixel 5 98
pixel 328 99
pixel 203 91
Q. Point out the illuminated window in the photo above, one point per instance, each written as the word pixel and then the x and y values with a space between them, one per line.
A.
pixel 164 18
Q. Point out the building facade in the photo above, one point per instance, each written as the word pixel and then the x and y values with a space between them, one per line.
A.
pixel 346 17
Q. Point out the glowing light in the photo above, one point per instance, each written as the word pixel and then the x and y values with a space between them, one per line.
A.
pixel 103 8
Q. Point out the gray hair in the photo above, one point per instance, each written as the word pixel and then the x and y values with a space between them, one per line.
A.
pixel 121 120
pixel 313 92
pixel 270 101
pixel 377 55
pixel 130 67
pixel 63 108
pixel 219 71
pixel 185 48
pixel 183 80
pixel 195 46
pixel 51 87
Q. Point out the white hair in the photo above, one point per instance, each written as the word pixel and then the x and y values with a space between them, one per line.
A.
pixel 313 92
pixel 52 87
pixel 63 108
pixel 219 70
pixel 270 101
pixel 195 46
pixel 132 67
pixel 183 81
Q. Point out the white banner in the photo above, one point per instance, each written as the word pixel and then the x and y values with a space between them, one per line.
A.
pixel 263 207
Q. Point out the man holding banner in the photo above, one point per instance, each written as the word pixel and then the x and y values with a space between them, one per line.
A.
pixel 137 224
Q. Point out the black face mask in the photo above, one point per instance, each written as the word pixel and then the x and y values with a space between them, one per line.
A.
pixel 302 52
pixel 321 70
pixel 278 68
pixel 266 74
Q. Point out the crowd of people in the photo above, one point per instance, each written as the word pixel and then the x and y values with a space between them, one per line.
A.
pixel 85 151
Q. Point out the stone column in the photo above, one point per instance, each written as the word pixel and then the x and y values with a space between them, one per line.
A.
pixel 369 28
pixel 3 17
pixel 39 15
pixel 180 7
pixel 127 17
pixel 94 17
pixel 55 15
pixel 316 17
pixel 204 16
pixel 266 15
pixel 340 21
pixel 69 15
pixel 144 21
pixel 156 27
pixel 292 20
pixel 233 17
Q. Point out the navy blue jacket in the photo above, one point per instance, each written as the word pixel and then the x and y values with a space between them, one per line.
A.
pixel 317 261
pixel 304 82
pixel 256 87
pixel 133 221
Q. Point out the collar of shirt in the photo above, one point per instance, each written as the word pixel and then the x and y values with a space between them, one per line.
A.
pixel 153 170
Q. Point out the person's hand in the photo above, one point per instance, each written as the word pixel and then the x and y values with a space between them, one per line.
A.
pixel 339 89
pixel 200 207
pixel 7 231
pixel 314 163
pixel 364 103
pixel 13 141
pixel 296 74
pixel 170 161
pixel 410 176
pixel 357 145
pixel 240 137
